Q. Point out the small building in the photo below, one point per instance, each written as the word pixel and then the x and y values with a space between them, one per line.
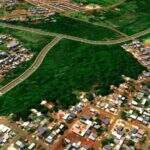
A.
pixel 20 145
pixel 3 54
pixel 12 44
pixel 31 146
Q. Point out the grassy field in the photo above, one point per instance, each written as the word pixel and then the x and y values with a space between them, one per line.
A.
pixel 3 12
pixel 32 41
pixel 3 47
pixel 131 17
pixel 99 2
pixel 70 67
pixel 145 37
pixel 73 27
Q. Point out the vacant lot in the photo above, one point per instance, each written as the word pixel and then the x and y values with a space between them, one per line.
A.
pixel 69 26
pixel 32 41
pixel 70 67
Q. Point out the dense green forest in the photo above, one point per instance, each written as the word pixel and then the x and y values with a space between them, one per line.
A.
pixel 70 67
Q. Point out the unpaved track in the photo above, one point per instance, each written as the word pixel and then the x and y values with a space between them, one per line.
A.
pixel 38 61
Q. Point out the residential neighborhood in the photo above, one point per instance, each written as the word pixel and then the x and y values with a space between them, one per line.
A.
pixel 74 75
pixel 12 54
pixel 119 120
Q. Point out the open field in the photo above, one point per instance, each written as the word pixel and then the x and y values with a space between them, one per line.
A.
pixel 99 2
pixel 69 26
pixel 3 12
pixel 71 67
pixel 130 17
pixel 32 41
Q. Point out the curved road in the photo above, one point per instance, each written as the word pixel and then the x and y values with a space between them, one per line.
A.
pixel 45 5
pixel 38 61
pixel 115 5
pixel 74 38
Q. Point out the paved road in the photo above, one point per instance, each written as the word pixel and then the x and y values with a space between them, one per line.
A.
pixel 98 24
pixel 83 40
pixel 45 5
pixel 45 50
pixel 38 61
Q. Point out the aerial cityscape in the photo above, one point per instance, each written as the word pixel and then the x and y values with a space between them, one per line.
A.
pixel 74 75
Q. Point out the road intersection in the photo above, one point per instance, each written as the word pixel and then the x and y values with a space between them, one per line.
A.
pixel 38 61
pixel 78 39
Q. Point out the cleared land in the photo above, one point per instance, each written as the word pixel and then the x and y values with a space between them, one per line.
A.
pixel 70 67
pixel 32 41
pixel 69 26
